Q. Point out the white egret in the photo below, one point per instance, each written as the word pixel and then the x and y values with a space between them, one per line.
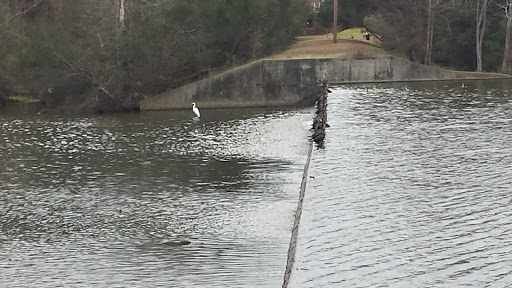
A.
pixel 195 110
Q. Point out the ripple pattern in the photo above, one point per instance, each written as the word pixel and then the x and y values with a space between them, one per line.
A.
pixel 98 202
pixel 412 190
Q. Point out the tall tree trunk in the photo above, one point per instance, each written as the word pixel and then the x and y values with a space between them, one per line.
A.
pixel 481 15
pixel 507 57
pixel 427 60
pixel 431 42
pixel 121 15
pixel 506 66
pixel 335 24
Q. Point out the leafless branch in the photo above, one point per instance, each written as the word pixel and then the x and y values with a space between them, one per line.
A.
pixel 102 89
pixel 76 70
pixel 9 20
pixel 506 6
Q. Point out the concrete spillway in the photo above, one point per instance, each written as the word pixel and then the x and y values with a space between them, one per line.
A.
pixel 291 81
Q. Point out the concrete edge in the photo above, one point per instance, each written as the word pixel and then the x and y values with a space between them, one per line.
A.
pixel 282 82
pixel 295 231
pixel 472 78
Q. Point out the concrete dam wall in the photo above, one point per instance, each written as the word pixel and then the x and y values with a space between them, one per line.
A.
pixel 288 81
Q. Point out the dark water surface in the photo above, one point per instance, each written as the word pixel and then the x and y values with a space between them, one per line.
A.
pixel 101 201
pixel 414 189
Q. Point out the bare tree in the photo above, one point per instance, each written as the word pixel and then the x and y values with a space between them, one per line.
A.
pixel 506 67
pixel 481 16
pixel 413 23
pixel 335 24
pixel 121 15
pixel 430 32
pixel 111 52
pixel 20 8
pixel 434 9
pixel 402 26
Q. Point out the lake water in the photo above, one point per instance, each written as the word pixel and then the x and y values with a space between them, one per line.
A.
pixel 102 201
pixel 413 189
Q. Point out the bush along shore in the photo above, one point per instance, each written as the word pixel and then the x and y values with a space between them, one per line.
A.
pixel 98 56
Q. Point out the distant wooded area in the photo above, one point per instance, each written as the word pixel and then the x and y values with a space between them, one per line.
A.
pixel 107 55
pixel 473 35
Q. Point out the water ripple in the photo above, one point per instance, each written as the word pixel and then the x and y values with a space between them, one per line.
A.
pixel 412 189
pixel 102 201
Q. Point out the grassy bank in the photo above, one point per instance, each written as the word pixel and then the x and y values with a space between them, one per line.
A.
pixel 351 43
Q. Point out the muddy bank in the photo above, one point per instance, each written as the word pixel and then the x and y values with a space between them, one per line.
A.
pixel 69 97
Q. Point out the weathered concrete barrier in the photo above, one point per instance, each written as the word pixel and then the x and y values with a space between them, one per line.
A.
pixel 292 81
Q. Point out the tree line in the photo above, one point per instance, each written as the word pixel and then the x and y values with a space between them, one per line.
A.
pixel 108 55
pixel 474 35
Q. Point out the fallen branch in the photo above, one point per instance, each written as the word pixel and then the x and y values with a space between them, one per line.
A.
pixel 106 92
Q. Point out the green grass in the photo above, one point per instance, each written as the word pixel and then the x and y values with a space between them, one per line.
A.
pixel 23 99
pixel 355 35
pixel 352 32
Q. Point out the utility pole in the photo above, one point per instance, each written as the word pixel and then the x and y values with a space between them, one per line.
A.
pixel 335 24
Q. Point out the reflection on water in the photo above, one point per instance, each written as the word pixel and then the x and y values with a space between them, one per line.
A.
pixel 412 190
pixel 98 201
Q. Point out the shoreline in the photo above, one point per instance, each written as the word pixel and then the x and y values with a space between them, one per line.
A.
pixel 285 78
pixel 285 82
